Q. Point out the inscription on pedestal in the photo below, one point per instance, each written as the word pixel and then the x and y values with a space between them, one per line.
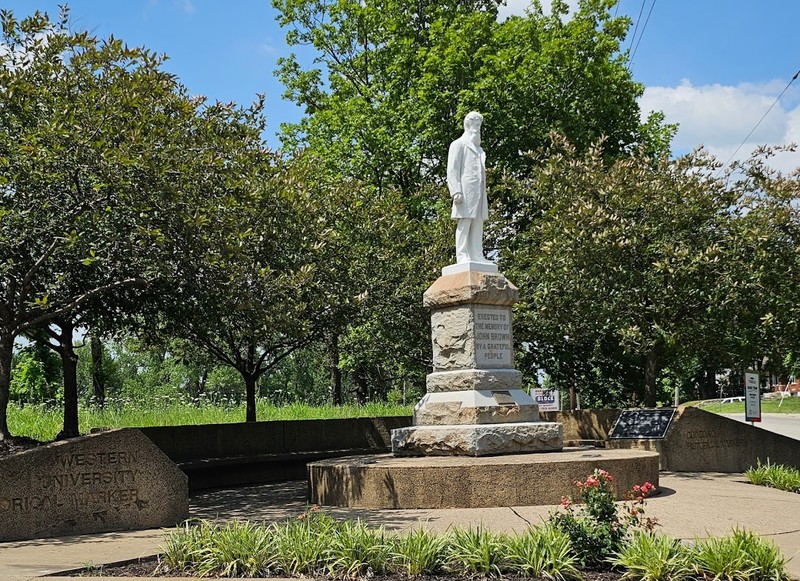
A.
pixel 493 344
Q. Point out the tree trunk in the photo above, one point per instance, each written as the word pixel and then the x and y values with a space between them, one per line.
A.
pixel 200 385
pixel 98 379
pixel 336 373
pixel 250 381
pixel 708 387
pixel 6 356
pixel 361 386
pixel 651 369
pixel 69 361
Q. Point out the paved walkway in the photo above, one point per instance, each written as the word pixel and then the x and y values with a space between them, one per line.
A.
pixel 690 505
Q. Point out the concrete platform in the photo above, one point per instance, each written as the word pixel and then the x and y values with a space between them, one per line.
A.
pixel 385 481
pixel 690 505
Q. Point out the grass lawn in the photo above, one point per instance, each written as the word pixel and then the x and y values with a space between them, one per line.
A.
pixel 790 405
pixel 44 422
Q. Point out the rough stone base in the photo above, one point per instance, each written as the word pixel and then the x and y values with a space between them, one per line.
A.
pixel 477 440
pixel 478 379
pixel 382 481
pixel 475 407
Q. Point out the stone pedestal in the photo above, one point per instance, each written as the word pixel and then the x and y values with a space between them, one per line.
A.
pixel 475 404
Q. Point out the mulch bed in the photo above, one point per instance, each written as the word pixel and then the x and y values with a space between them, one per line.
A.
pixel 147 567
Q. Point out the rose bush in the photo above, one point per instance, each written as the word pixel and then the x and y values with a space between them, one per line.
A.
pixel 595 523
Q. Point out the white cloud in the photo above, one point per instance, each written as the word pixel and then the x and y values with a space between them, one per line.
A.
pixel 720 117
pixel 518 8
pixel 267 48
pixel 512 8
pixel 187 6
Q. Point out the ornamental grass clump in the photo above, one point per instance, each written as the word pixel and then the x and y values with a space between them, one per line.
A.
pixel 596 529
pixel 775 476
pixel 542 552
pixel 303 544
pixel 476 552
pixel 646 556
pixel 741 556
pixel 420 552
pixel 235 549
pixel 358 551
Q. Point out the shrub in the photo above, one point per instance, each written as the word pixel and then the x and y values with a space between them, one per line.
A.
pixel 597 530
pixel 30 380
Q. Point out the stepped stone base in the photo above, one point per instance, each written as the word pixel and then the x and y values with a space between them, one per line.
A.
pixel 475 407
pixel 382 481
pixel 478 440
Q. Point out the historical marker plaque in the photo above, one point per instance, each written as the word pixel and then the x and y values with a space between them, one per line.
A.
pixel 644 423
pixel 111 481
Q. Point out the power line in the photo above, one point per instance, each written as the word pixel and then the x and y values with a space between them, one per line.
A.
pixel 638 20
pixel 778 98
pixel 653 5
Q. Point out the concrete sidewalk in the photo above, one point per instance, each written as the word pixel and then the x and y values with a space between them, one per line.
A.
pixel 689 505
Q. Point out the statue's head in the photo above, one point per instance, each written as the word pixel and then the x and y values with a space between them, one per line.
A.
pixel 473 121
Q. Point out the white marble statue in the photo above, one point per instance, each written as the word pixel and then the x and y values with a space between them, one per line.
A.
pixel 466 180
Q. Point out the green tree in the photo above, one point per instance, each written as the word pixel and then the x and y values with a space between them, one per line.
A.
pixel 248 293
pixel 384 97
pixel 36 376
pixel 761 300
pixel 104 165
pixel 624 256
pixel 391 81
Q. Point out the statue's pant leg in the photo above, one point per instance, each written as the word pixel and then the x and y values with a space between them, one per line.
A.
pixel 462 239
pixel 475 242
pixel 469 240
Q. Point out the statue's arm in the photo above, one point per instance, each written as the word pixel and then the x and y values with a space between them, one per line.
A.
pixel 455 165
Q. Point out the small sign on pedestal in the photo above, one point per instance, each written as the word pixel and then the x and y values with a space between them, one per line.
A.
pixel 546 399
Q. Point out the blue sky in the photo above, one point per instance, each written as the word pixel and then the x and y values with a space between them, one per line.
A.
pixel 714 66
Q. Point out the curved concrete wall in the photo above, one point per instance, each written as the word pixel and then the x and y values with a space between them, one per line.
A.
pixel 700 441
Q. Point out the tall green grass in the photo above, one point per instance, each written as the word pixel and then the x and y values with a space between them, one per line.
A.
pixel 790 405
pixel 43 422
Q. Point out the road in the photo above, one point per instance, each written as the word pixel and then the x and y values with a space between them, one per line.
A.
pixel 785 424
